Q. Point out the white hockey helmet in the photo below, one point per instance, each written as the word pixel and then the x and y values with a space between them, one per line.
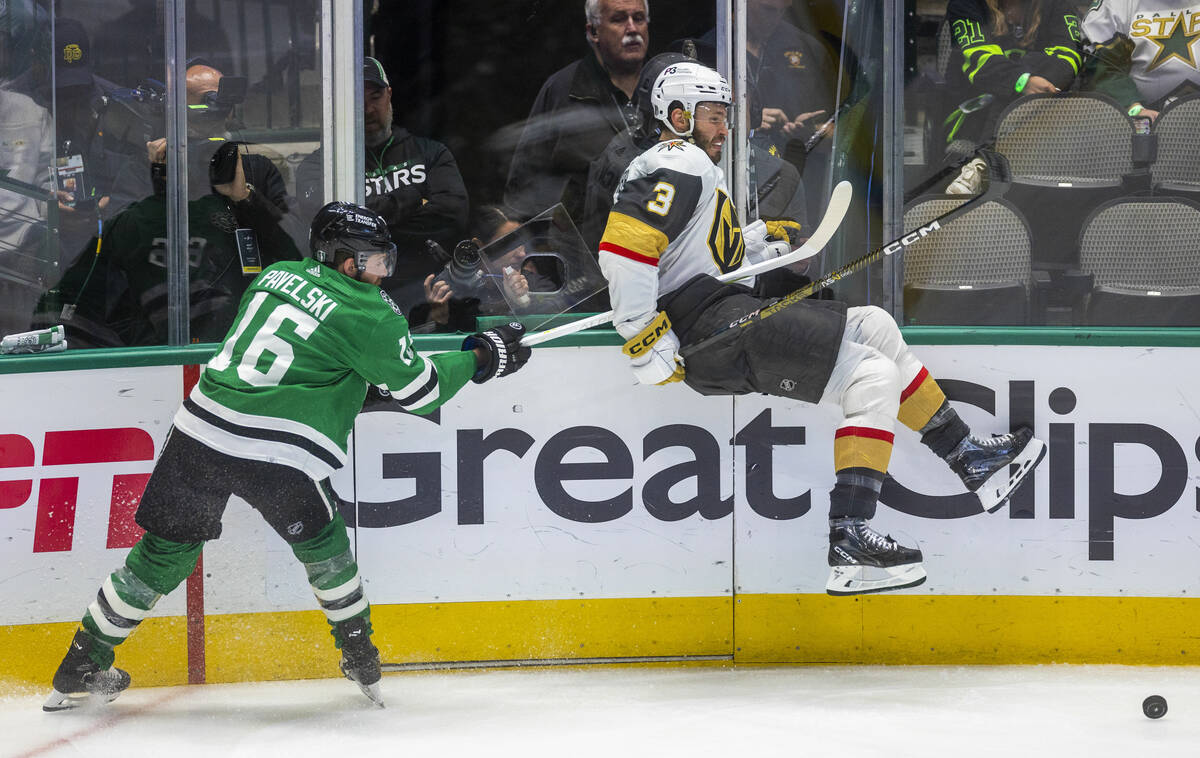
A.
pixel 688 84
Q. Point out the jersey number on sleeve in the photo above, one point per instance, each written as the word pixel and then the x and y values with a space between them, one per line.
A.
pixel 265 340
pixel 664 194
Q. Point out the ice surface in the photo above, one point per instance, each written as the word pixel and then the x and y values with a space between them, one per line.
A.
pixel 711 710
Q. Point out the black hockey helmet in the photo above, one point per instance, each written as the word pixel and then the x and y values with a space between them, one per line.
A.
pixel 359 232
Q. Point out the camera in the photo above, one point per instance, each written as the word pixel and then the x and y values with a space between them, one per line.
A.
pixel 463 268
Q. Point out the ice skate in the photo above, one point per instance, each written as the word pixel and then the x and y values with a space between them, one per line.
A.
pixel 79 680
pixel 360 658
pixel 862 560
pixel 993 468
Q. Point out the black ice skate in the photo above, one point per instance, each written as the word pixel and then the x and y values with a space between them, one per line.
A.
pixel 993 468
pixel 79 680
pixel 862 560
pixel 360 658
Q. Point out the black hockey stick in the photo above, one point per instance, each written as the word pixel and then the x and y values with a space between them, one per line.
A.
pixel 998 181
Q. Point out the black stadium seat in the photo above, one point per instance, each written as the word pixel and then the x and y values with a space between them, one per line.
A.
pixel 1068 154
pixel 1144 256
pixel 975 271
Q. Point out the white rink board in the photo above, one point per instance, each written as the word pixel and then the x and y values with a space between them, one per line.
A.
pixel 528 536
pixel 56 585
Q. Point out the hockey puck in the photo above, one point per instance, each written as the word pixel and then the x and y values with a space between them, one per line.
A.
pixel 1155 706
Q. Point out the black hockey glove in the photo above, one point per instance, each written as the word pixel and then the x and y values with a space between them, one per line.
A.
pixel 506 354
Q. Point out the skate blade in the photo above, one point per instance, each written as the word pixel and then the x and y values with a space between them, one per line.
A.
pixel 61 701
pixel 372 691
pixel 851 580
pixel 994 492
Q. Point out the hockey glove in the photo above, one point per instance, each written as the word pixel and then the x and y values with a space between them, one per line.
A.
pixel 655 353
pixel 784 229
pixel 506 354
pixel 759 246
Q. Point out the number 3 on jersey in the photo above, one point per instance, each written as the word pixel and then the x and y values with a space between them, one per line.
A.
pixel 265 340
pixel 664 194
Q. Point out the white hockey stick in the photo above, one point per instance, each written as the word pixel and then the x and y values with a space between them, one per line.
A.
pixel 839 204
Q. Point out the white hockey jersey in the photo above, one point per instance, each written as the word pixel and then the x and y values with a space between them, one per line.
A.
pixel 672 219
pixel 1165 36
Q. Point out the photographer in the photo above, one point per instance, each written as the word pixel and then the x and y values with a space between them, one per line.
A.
pixel 238 221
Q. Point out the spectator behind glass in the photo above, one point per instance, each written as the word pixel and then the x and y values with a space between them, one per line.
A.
pixel 26 150
pixel 412 182
pixel 118 296
pixel 446 310
pixel 793 79
pixel 1008 49
pixel 129 48
pixel 578 110
pixel 1146 52
pixel 84 176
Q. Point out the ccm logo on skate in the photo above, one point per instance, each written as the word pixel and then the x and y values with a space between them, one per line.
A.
pixel 57 497
pixel 912 238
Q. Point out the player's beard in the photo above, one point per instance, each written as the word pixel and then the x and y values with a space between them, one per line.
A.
pixel 706 144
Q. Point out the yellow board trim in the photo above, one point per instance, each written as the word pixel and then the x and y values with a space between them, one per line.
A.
pixel 157 652
pixel 771 629
pixel 958 629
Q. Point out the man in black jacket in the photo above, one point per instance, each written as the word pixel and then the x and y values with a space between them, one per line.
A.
pixel 579 110
pixel 412 182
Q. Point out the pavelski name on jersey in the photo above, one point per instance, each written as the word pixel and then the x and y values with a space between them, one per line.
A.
pixel 307 295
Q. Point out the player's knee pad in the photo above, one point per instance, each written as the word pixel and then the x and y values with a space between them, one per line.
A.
pixel 873 393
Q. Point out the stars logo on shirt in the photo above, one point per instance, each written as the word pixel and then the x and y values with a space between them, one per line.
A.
pixel 1176 43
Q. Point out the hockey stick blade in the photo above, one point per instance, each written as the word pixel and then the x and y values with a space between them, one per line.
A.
pixel 835 213
pixel 999 180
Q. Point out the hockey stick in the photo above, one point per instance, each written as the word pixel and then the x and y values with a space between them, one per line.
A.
pixel 839 204
pixel 999 179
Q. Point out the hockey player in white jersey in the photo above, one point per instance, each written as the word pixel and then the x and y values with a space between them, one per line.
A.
pixel 672 230
pixel 269 421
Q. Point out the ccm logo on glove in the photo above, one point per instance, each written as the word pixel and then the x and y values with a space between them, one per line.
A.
pixel 646 338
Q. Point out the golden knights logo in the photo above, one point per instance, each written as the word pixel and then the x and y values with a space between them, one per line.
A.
pixel 72 53
pixel 725 236
pixel 795 58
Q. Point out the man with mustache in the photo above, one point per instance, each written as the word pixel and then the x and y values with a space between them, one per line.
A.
pixel 579 109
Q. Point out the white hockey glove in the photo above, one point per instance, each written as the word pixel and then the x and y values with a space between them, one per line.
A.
pixel 758 247
pixel 655 353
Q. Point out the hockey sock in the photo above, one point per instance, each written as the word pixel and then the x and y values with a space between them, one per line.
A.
pixel 944 431
pixel 920 401
pixel 153 568
pixel 333 575
pixel 855 494
pixel 860 456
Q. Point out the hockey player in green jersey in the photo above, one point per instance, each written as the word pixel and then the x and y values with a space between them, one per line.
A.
pixel 269 421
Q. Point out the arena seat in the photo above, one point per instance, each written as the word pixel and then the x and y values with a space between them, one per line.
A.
pixel 975 271
pixel 1142 253
pixel 1176 169
pixel 1068 154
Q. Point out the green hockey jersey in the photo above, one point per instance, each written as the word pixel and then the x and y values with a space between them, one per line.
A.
pixel 293 370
